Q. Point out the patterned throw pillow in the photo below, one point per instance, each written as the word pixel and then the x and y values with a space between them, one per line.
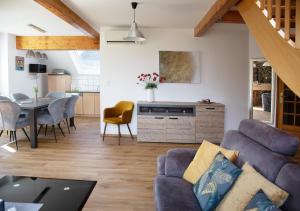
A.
pixel 261 202
pixel 215 182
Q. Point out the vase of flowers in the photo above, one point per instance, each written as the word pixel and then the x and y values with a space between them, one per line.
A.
pixel 150 83
pixel 36 91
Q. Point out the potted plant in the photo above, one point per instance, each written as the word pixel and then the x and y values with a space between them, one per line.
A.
pixel 150 82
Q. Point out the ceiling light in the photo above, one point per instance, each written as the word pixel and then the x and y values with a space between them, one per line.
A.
pixel 266 64
pixel 44 56
pixel 30 54
pixel 37 28
pixel 134 34
pixel 38 55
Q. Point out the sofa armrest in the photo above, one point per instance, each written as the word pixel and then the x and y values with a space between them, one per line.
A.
pixel 177 160
pixel 161 161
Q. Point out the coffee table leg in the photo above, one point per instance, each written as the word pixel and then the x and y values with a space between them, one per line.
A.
pixel 33 129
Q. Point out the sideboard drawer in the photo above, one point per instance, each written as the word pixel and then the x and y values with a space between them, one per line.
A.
pixel 181 136
pixel 183 123
pixel 209 108
pixel 151 135
pixel 151 122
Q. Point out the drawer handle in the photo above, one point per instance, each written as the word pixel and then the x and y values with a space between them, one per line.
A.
pixel 210 108
pixel 158 118
pixel 173 118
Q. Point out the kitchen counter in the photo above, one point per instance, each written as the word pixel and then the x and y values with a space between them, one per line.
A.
pixel 82 91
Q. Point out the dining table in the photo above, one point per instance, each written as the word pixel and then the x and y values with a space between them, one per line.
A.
pixel 32 107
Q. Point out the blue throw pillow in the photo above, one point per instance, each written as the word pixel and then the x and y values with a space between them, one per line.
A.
pixel 261 202
pixel 215 182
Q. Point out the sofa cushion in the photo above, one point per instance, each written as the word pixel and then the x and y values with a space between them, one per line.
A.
pixel 174 194
pixel 161 161
pixel 265 161
pixel 177 161
pixel 215 182
pixel 289 180
pixel 246 186
pixel 270 137
pixel 261 202
pixel 204 158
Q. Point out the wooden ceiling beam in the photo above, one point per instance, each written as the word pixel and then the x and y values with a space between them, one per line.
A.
pixel 215 13
pixel 58 8
pixel 56 43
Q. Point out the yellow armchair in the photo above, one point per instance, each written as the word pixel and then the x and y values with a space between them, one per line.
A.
pixel 119 114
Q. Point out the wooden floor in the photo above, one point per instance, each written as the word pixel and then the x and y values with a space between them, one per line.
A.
pixel 124 173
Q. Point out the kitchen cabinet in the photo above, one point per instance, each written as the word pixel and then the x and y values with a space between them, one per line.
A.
pixel 88 104
pixel 59 83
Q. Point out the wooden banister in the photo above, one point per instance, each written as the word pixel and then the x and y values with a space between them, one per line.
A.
pixel 269 8
pixel 278 14
pixel 287 19
pixel 297 24
pixel 262 4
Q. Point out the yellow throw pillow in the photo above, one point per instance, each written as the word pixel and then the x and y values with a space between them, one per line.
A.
pixel 204 158
pixel 246 186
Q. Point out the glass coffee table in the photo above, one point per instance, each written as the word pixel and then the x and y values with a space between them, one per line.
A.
pixel 54 194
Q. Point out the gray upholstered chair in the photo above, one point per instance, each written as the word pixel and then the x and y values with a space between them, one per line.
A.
pixel 56 95
pixel 10 119
pixel 19 96
pixel 70 109
pixel 54 116
pixel 4 98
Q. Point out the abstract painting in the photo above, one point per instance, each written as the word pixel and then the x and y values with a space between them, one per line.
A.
pixel 19 63
pixel 179 66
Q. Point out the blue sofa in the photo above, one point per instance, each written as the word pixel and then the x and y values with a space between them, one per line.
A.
pixel 267 149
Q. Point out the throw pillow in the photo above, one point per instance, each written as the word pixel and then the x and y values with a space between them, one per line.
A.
pixel 204 158
pixel 215 182
pixel 246 186
pixel 261 202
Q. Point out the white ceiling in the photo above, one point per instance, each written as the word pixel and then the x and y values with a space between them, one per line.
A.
pixel 15 15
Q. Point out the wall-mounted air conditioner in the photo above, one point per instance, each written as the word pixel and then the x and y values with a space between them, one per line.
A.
pixel 114 37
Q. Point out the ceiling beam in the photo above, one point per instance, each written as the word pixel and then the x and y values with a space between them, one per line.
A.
pixel 215 13
pixel 56 43
pixel 58 8
pixel 232 17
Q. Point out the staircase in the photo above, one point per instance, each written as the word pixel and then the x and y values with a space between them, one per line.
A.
pixel 274 24
pixel 282 16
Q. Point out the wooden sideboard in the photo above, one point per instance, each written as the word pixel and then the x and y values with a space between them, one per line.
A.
pixel 180 122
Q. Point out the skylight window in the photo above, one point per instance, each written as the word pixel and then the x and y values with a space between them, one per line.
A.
pixel 86 62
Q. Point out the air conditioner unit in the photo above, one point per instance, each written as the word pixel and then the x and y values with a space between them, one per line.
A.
pixel 114 36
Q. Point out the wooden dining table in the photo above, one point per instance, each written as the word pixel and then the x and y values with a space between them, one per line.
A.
pixel 32 107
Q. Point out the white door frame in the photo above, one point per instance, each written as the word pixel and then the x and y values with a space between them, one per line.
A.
pixel 273 92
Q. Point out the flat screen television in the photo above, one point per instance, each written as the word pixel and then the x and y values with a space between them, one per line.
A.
pixel 37 68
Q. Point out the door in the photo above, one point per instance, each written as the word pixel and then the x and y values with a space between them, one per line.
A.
pixel 288 110
pixel 262 91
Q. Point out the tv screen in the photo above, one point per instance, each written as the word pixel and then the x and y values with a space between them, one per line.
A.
pixel 37 68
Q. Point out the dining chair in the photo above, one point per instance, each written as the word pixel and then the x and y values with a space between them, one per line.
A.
pixel 3 98
pixel 10 119
pixel 19 96
pixel 53 116
pixel 118 115
pixel 70 110
pixel 56 95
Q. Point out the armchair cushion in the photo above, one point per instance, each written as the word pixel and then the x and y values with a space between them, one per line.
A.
pixel 119 114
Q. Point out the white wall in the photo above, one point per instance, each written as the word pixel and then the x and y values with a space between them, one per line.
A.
pixel 4 87
pixel 20 81
pixel 224 69
pixel 254 50
pixel 61 60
